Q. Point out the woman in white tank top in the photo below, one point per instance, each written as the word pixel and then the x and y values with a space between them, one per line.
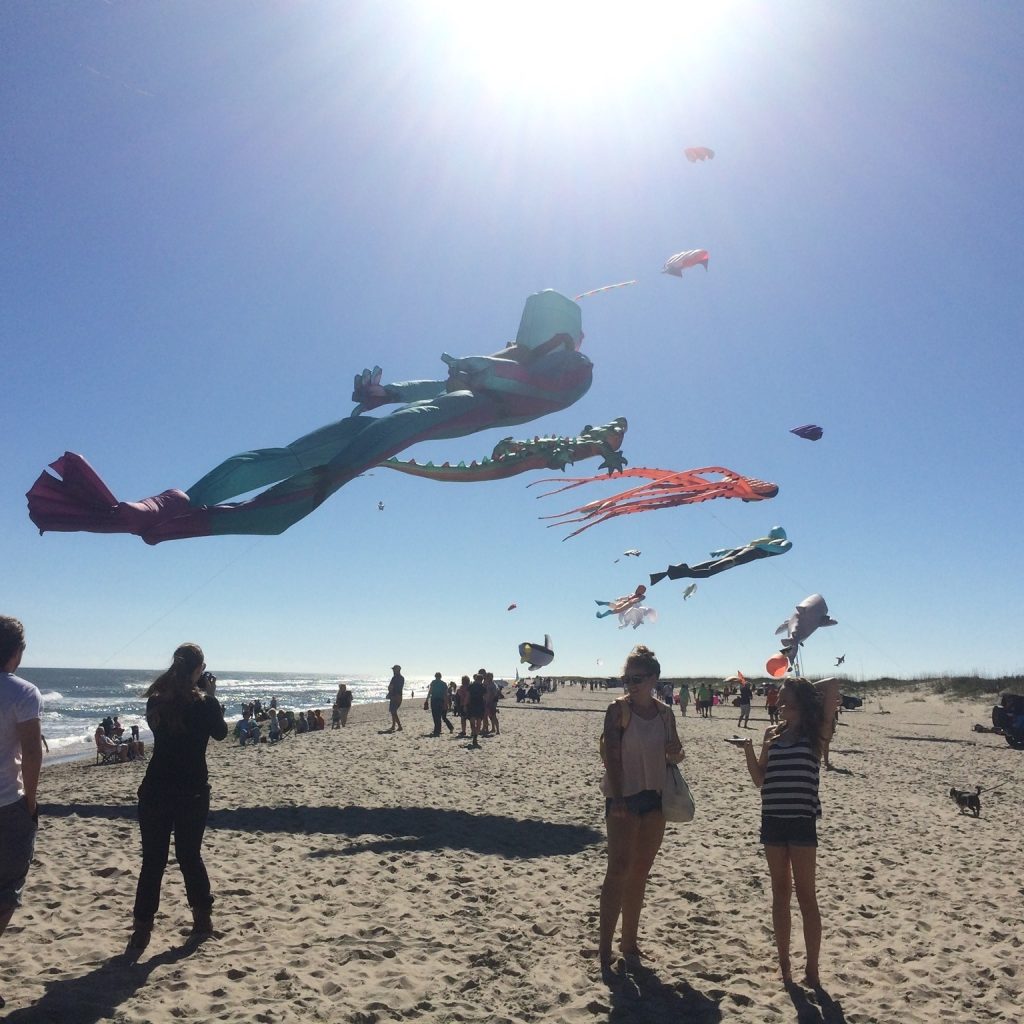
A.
pixel 639 738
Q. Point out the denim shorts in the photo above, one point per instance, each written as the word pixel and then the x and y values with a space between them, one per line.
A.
pixel 644 802
pixel 789 831
pixel 17 841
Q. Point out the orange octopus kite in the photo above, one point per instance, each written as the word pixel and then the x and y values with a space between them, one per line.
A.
pixel 667 489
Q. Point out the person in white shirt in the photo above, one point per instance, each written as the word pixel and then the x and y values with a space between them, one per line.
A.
pixel 21 757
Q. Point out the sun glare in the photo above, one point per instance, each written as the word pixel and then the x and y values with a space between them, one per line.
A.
pixel 571 49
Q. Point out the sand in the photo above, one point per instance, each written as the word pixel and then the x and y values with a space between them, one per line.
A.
pixel 366 877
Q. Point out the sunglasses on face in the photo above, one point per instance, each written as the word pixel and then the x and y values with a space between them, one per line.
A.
pixel 634 680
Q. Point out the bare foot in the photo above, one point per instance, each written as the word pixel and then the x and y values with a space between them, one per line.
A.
pixel 786 972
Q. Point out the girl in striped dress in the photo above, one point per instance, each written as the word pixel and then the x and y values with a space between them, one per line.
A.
pixel 786 772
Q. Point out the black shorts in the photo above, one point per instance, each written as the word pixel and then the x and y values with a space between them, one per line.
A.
pixel 644 802
pixel 789 831
pixel 17 841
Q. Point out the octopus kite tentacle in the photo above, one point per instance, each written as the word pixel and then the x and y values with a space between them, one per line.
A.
pixel 509 457
pixel 667 489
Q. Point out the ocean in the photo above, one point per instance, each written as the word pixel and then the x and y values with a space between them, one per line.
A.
pixel 75 700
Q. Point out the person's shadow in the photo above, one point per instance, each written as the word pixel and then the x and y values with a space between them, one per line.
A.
pixel 98 995
pixel 825 1011
pixel 641 996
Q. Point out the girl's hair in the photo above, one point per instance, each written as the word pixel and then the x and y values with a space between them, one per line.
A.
pixel 644 656
pixel 465 679
pixel 172 691
pixel 811 725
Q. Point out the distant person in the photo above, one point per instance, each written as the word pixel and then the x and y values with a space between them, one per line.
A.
pixel 21 757
pixel 396 691
pixel 492 694
pixel 476 707
pixel 344 702
pixel 273 726
pixel 105 745
pixel 684 698
pixel 771 703
pixel 437 701
pixel 184 714
pixel 745 698
pixel 462 703
pixel 301 725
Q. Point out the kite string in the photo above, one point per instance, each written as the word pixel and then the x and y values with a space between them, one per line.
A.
pixel 188 597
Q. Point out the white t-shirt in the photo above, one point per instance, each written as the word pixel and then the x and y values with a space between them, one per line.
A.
pixel 20 701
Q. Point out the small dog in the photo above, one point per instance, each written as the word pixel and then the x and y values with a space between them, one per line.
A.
pixel 967 801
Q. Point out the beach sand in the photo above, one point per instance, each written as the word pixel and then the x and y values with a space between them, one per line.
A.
pixel 366 877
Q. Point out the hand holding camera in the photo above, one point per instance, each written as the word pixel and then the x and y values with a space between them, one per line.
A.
pixel 207 683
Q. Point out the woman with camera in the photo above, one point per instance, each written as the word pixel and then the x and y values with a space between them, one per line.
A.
pixel 174 796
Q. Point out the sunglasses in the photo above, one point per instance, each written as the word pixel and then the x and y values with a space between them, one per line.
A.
pixel 634 680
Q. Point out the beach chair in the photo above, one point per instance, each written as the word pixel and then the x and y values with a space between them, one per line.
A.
pixel 108 754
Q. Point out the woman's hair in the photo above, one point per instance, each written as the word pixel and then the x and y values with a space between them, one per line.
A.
pixel 465 679
pixel 12 638
pixel 172 691
pixel 644 657
pixel 811 726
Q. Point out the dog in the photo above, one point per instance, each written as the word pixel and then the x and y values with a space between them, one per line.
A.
pixel 966 800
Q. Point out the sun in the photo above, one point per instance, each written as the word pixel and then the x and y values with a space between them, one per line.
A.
pixel 565 50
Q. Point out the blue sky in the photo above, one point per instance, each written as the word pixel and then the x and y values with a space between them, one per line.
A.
pixel 216 214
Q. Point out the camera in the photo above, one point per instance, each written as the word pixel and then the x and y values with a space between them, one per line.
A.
pixel 206 681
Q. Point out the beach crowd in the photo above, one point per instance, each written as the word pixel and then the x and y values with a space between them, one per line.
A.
pixel 640 747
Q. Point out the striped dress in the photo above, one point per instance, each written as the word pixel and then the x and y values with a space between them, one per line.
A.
pixel 790 787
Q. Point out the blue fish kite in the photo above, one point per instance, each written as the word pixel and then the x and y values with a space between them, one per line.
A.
pixel 726 558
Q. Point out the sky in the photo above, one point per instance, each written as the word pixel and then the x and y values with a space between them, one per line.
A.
pixel 214 215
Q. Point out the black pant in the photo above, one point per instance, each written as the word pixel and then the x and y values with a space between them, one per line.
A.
pixel 437 709
pixel 161 812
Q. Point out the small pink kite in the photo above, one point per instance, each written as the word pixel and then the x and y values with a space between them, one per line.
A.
pixel 695 153
pixel 675 265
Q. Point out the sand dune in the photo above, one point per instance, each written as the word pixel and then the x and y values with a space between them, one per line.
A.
pixel 366 877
